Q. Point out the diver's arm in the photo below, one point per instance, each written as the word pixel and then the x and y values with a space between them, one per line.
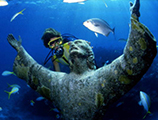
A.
pixel 38 77
pixel 56 65
pixel 125 71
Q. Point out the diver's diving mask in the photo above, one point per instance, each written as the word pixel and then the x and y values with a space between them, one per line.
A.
pixel 57 40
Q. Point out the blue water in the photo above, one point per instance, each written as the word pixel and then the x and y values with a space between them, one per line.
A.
pixel 69 18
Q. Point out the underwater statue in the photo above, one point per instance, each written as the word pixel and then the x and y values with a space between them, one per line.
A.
pixel 86 92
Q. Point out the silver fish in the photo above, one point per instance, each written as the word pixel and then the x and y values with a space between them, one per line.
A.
pixel 74 1
pixel 3 3
pixel 98 26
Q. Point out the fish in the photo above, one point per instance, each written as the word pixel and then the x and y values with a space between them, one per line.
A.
pixel 57 116
pixel 32 102
pixel 55 110
pixel 119 104
pixel 105 4
pixel 40 98
pixel 28 85
pixel 7 73
pixel 145 102
pixel 13 91
pixel 123 39
pixel 98 25
pixel 106 63
pixel 1 109
pixel 15 15
pixel 74 1
pixel 3 3
pixel 13 85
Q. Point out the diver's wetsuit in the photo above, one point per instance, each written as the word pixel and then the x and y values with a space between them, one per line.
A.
pixel 61 53
pixel 85 96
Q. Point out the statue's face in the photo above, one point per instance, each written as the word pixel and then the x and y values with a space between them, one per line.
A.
pixel 78 47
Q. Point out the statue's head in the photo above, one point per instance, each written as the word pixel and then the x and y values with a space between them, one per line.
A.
pixel 81 48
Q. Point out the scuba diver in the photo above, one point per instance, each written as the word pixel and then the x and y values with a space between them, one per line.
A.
pixel 59 45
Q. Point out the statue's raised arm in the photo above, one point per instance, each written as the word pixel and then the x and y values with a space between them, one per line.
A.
pixel 85 92
pixel 25 67
pixel 125 71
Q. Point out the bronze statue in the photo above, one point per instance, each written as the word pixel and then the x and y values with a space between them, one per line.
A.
pixel 86 92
